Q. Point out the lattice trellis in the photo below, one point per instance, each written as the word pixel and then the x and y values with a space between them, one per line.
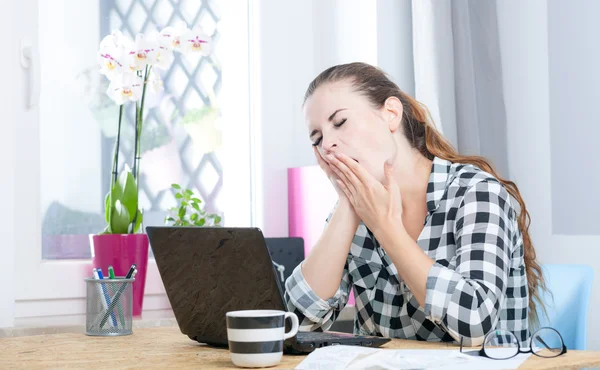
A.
pixel 187 85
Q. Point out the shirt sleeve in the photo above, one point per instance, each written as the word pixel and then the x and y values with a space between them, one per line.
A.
pixel 315 313
pixel 465 302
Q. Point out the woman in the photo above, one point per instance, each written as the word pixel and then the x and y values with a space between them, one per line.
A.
pixel 430 239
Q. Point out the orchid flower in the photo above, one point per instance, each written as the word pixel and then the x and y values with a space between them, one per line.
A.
pixel 112 54
pixel 172 35
pixel 125 87
pixel 196 41
pixel 142 53
pixel 164 55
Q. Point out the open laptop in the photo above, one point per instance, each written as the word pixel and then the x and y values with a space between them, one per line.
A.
pixel 208 271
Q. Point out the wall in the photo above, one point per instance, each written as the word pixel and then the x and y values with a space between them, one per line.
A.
pixel 8 97
pixel 574 111
pixel 283 63
pixel 527 30
pixel 338 32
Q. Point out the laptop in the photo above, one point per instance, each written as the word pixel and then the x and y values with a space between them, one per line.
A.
pixel 208 271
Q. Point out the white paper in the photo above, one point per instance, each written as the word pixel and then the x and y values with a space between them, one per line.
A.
pixel 354 357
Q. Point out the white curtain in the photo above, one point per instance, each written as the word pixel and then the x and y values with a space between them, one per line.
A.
pixel 458 74
pixel 433 55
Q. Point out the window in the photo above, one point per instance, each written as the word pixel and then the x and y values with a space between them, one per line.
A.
pixel 78 126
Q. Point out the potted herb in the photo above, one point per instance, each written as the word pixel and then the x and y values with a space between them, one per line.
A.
pixel 189 211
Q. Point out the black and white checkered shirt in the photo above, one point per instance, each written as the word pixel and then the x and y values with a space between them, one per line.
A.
pixel 477 283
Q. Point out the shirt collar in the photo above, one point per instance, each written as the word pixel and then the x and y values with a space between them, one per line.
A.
pixel 441 170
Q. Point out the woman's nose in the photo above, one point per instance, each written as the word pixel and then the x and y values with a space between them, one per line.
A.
pixel 329 145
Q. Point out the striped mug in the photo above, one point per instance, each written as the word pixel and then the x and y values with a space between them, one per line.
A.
pixel 256 336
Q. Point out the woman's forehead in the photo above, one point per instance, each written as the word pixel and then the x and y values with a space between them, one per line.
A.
pixel 328 98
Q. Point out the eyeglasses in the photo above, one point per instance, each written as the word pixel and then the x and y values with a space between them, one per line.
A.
pixel 503 344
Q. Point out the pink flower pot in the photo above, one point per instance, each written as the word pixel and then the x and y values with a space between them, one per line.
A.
pixel 121 251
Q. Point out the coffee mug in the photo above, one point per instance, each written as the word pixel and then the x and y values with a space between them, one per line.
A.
pixel 256 336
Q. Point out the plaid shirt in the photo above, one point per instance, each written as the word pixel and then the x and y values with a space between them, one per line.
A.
pixel 477 283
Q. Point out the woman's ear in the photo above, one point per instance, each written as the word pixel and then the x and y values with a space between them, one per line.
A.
pixel 392 113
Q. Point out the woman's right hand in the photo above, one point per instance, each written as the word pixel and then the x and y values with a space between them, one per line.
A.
pixel 330 175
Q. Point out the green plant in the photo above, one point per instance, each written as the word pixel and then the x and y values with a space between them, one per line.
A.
pixel 121 209
pixel 188 212
pixel 121 203
pixel 129 65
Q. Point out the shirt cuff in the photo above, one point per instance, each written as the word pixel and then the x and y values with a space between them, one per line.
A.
pixel 303 297
pixel 441 284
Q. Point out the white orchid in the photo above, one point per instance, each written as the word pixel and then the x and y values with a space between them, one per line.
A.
pixel 121 60
pixel 164 54
pixel 131 68
pixel 112 54
pixel 142 53
pixel 125 87
pixel 196 41
pixel 172 35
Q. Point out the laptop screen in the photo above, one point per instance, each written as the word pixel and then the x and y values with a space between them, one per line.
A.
pixel 208 271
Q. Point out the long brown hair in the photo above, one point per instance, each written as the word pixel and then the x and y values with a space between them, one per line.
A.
pixel 420 131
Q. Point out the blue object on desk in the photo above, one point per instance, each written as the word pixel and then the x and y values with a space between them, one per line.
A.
pixel 107 297
pixel 567 305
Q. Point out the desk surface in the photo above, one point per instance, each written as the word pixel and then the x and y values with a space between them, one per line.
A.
pixel 166 347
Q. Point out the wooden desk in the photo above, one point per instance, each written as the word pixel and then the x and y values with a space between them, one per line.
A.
pixel 166 347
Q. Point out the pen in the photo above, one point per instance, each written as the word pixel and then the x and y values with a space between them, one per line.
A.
pixel 111 275
pixel 130 274
pixel 99 288
pixel 106 297
pixel 132 269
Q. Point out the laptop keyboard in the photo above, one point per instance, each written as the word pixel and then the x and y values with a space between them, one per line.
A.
pixel 320 336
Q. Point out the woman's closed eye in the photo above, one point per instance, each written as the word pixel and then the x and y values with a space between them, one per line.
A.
pixel 318 141
pixel 340 123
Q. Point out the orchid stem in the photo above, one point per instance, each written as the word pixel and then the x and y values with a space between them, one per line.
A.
pixel 135 149
pixel 139 119
pixel 115 165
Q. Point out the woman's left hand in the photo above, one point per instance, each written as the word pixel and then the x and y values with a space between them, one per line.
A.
pixel 378 205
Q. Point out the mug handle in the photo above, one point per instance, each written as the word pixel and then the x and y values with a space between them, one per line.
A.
pixel 295 325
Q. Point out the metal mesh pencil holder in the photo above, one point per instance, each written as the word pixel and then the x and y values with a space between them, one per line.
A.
pixel 109 307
